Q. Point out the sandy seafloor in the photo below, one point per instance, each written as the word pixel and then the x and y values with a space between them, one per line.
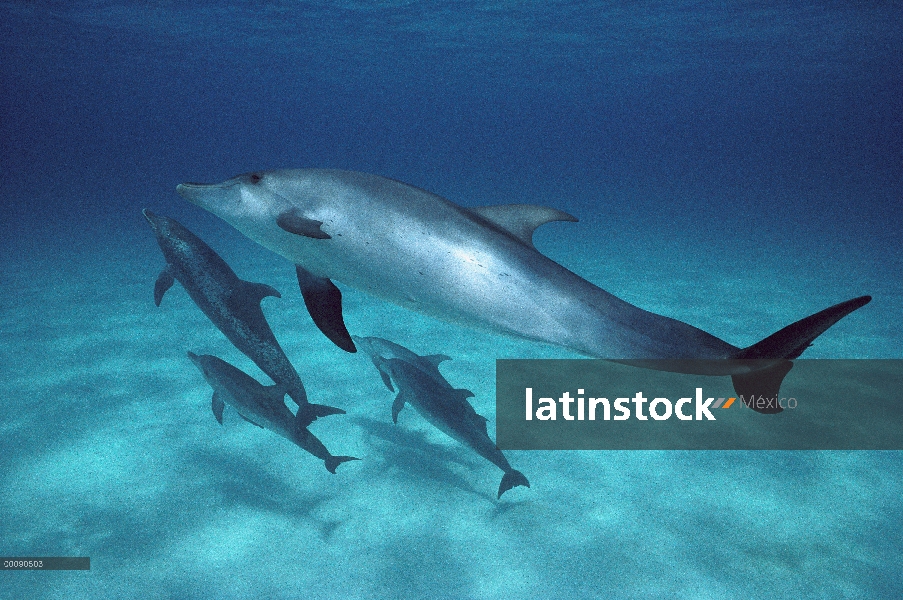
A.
pixel 110 450
pixel 733 165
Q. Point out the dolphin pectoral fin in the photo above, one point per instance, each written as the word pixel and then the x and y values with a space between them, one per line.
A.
pixel 512 478
pixel 324 303
pixel 386 379
pixel 521 220
pixel 464 394
pixel 397 406
pixel 216 403
pixel 164 282
pixel 250 421
pixel 293 221
pixel 381 365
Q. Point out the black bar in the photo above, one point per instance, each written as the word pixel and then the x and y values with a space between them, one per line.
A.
pixel 45 563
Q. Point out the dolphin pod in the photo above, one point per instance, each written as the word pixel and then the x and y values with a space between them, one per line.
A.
pixel 260 405
pixel 422 386
pixel 475 267
pixel 231 304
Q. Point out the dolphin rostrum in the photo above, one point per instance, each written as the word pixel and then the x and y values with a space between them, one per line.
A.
pixel 472 266
pixel 231 304
pixel 260 405
pixel 445 407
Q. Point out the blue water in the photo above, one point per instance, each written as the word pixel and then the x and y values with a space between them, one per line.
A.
pixel 737 166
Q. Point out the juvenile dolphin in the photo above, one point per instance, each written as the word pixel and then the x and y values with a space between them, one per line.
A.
pixel 260 405
pixel 231 304
pixel 445 407
pixel 472 266
pixel 379 349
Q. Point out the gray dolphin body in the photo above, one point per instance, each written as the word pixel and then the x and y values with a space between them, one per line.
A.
pixel 260 405
pixel 233 305
pixel 445 407
pixel 472 266
pixel 380 349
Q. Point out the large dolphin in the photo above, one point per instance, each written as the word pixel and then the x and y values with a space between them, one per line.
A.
pixel 445 407
pixel 260 405
pixel 472 266
pixel 231 304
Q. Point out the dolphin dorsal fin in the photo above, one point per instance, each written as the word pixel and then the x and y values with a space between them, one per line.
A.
pixel 521 220
pixel 258 291
pixel 481 423
pixel 436 359
pixel 277 392
pixel 463 394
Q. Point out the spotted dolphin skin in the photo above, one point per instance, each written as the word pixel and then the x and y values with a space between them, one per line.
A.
pixel 231 304
pixel 260 405
pixel 471 266
pixel 445 407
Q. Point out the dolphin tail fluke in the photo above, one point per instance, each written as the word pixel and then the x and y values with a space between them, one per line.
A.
pixel 765 383
pixel 309 442
pixel 787 344
pixel 332 462
pixel 512 478
pixel 321 410
pixel 792 340
pixel 308 413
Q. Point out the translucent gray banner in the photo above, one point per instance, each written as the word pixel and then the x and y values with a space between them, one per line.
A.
pixel 708 405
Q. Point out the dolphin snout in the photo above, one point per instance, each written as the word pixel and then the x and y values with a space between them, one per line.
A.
pixel 363 344
pixel 153 219
pixel 199 363
pixel 185 190
pixel 192 191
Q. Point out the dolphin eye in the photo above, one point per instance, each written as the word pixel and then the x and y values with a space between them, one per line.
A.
pixel 255 178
